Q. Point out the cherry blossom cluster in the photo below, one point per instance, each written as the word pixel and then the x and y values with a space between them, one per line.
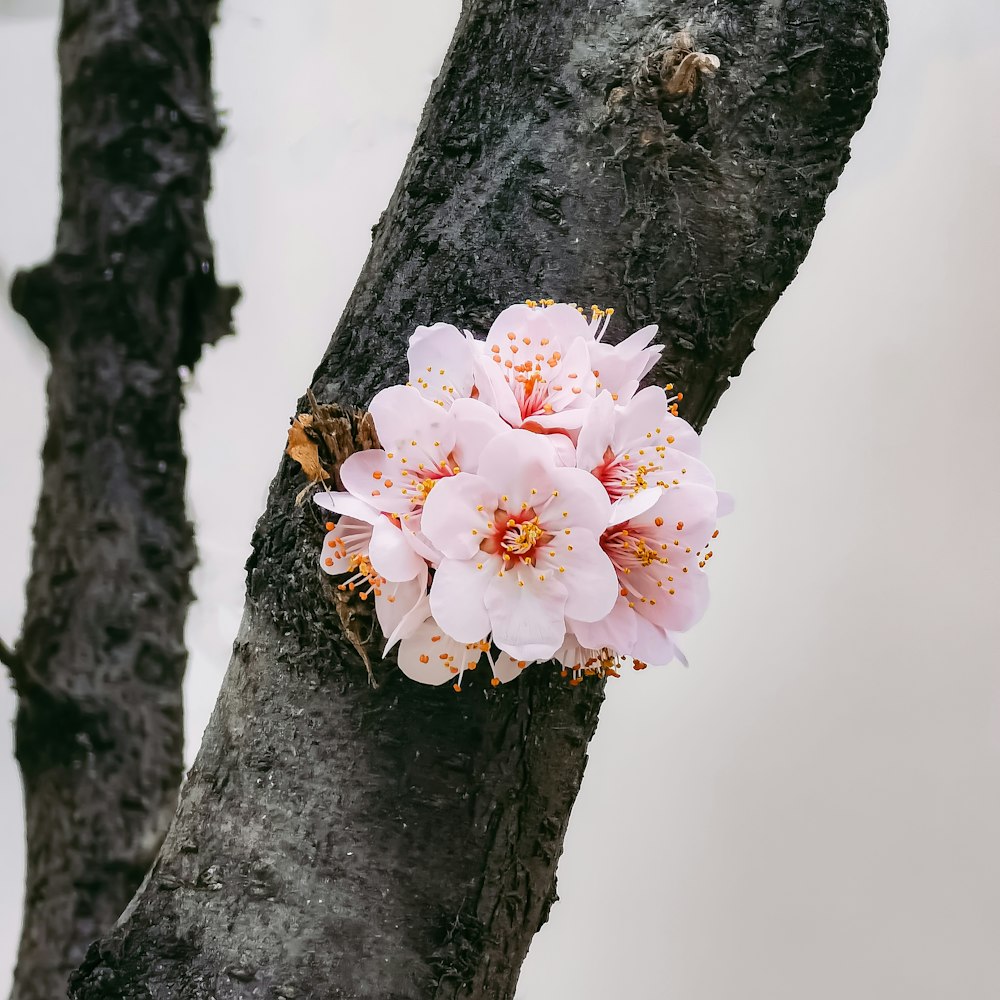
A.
pixel 529 503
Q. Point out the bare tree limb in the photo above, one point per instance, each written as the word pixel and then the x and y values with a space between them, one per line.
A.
pixel 128 297
pixel 339 841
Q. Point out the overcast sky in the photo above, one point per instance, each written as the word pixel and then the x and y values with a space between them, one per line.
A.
pixel 813 809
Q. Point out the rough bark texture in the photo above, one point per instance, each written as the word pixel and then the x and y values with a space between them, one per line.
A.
pixel 128 297
pixel 334 840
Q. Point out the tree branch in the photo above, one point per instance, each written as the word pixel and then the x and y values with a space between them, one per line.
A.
pixel 10 659
pixel 339 841
pixel 128 296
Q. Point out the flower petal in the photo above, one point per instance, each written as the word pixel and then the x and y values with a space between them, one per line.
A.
pixel 516 463
pixel 615 631
pixel 346 503
pixel 581 498
pixel 391 555
pixel 402 415
pixel 429 656
pixel 476 424
pixel 631 507
pixel 365 473
pixel 396 600
pixel 506 668
pixel 458 597
pixel 527 616
pixel 440 360
pixel 596 433
pixel 456 514
pixel 585 571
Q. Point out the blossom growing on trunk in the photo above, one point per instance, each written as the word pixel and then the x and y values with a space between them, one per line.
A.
pixel 659 553
pixel 421 445
pixel 441 363
pixel 520 548
pixel 372 552
pixel 527 502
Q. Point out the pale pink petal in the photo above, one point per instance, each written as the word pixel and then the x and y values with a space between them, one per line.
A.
pixel 494 390
pixel 430 656
pixel 652 645
pixel 596 433
pixel 678 468
pixel 417 540
pixel 390 553
pixel 689 509
pixel 632 506
pixel 685 437
pixel 615 631
pixel 403 416
pixel 440 360
pixel 396 600
pixel 644 413
pixel 679 610
pixel 727 503
pixel 456 515
pixel 409 623
pixel 526 614
pixel 349 537
pixel 506 668
pixel 582 502
pixel 517 463
pixel 458 597
pixel 559 322
pixel 572 383
pixel 583 568
pixel 365 475
pixel 476 424
pixel 345 503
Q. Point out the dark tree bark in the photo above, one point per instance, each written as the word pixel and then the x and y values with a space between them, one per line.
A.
pixel 335 840
pixel 128 297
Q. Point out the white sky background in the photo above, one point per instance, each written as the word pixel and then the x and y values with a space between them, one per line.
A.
pixel 813 809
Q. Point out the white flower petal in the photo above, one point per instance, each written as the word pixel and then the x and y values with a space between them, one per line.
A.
pixel 506 668
pixel 527 616
pixel 586 572
pixel 581 498
pixel 346 503
pixel 402 415
pixel 458 597
pixel 630 507
pixel 440 360
pixel 456 515
pixel 596 433
pixel 365 474
pixel 515 464
pixel 615 631
pixel 397 600
pixel 431 656
pixel 494 390
pixel 476 424
pixel 391 555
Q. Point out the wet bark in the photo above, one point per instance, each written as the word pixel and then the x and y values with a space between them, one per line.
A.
pixel 128 297
pixel 335 840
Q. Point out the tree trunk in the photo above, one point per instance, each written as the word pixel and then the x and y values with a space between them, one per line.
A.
pixel 335 840
pixel 128 297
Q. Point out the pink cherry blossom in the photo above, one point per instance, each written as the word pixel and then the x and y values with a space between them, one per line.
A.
pixel 422 443
pixel 619 368
pixel 659 554
pixel 354 545
pixel 638 445
pixel 520 548
pixel 441 363
pixel 536 371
